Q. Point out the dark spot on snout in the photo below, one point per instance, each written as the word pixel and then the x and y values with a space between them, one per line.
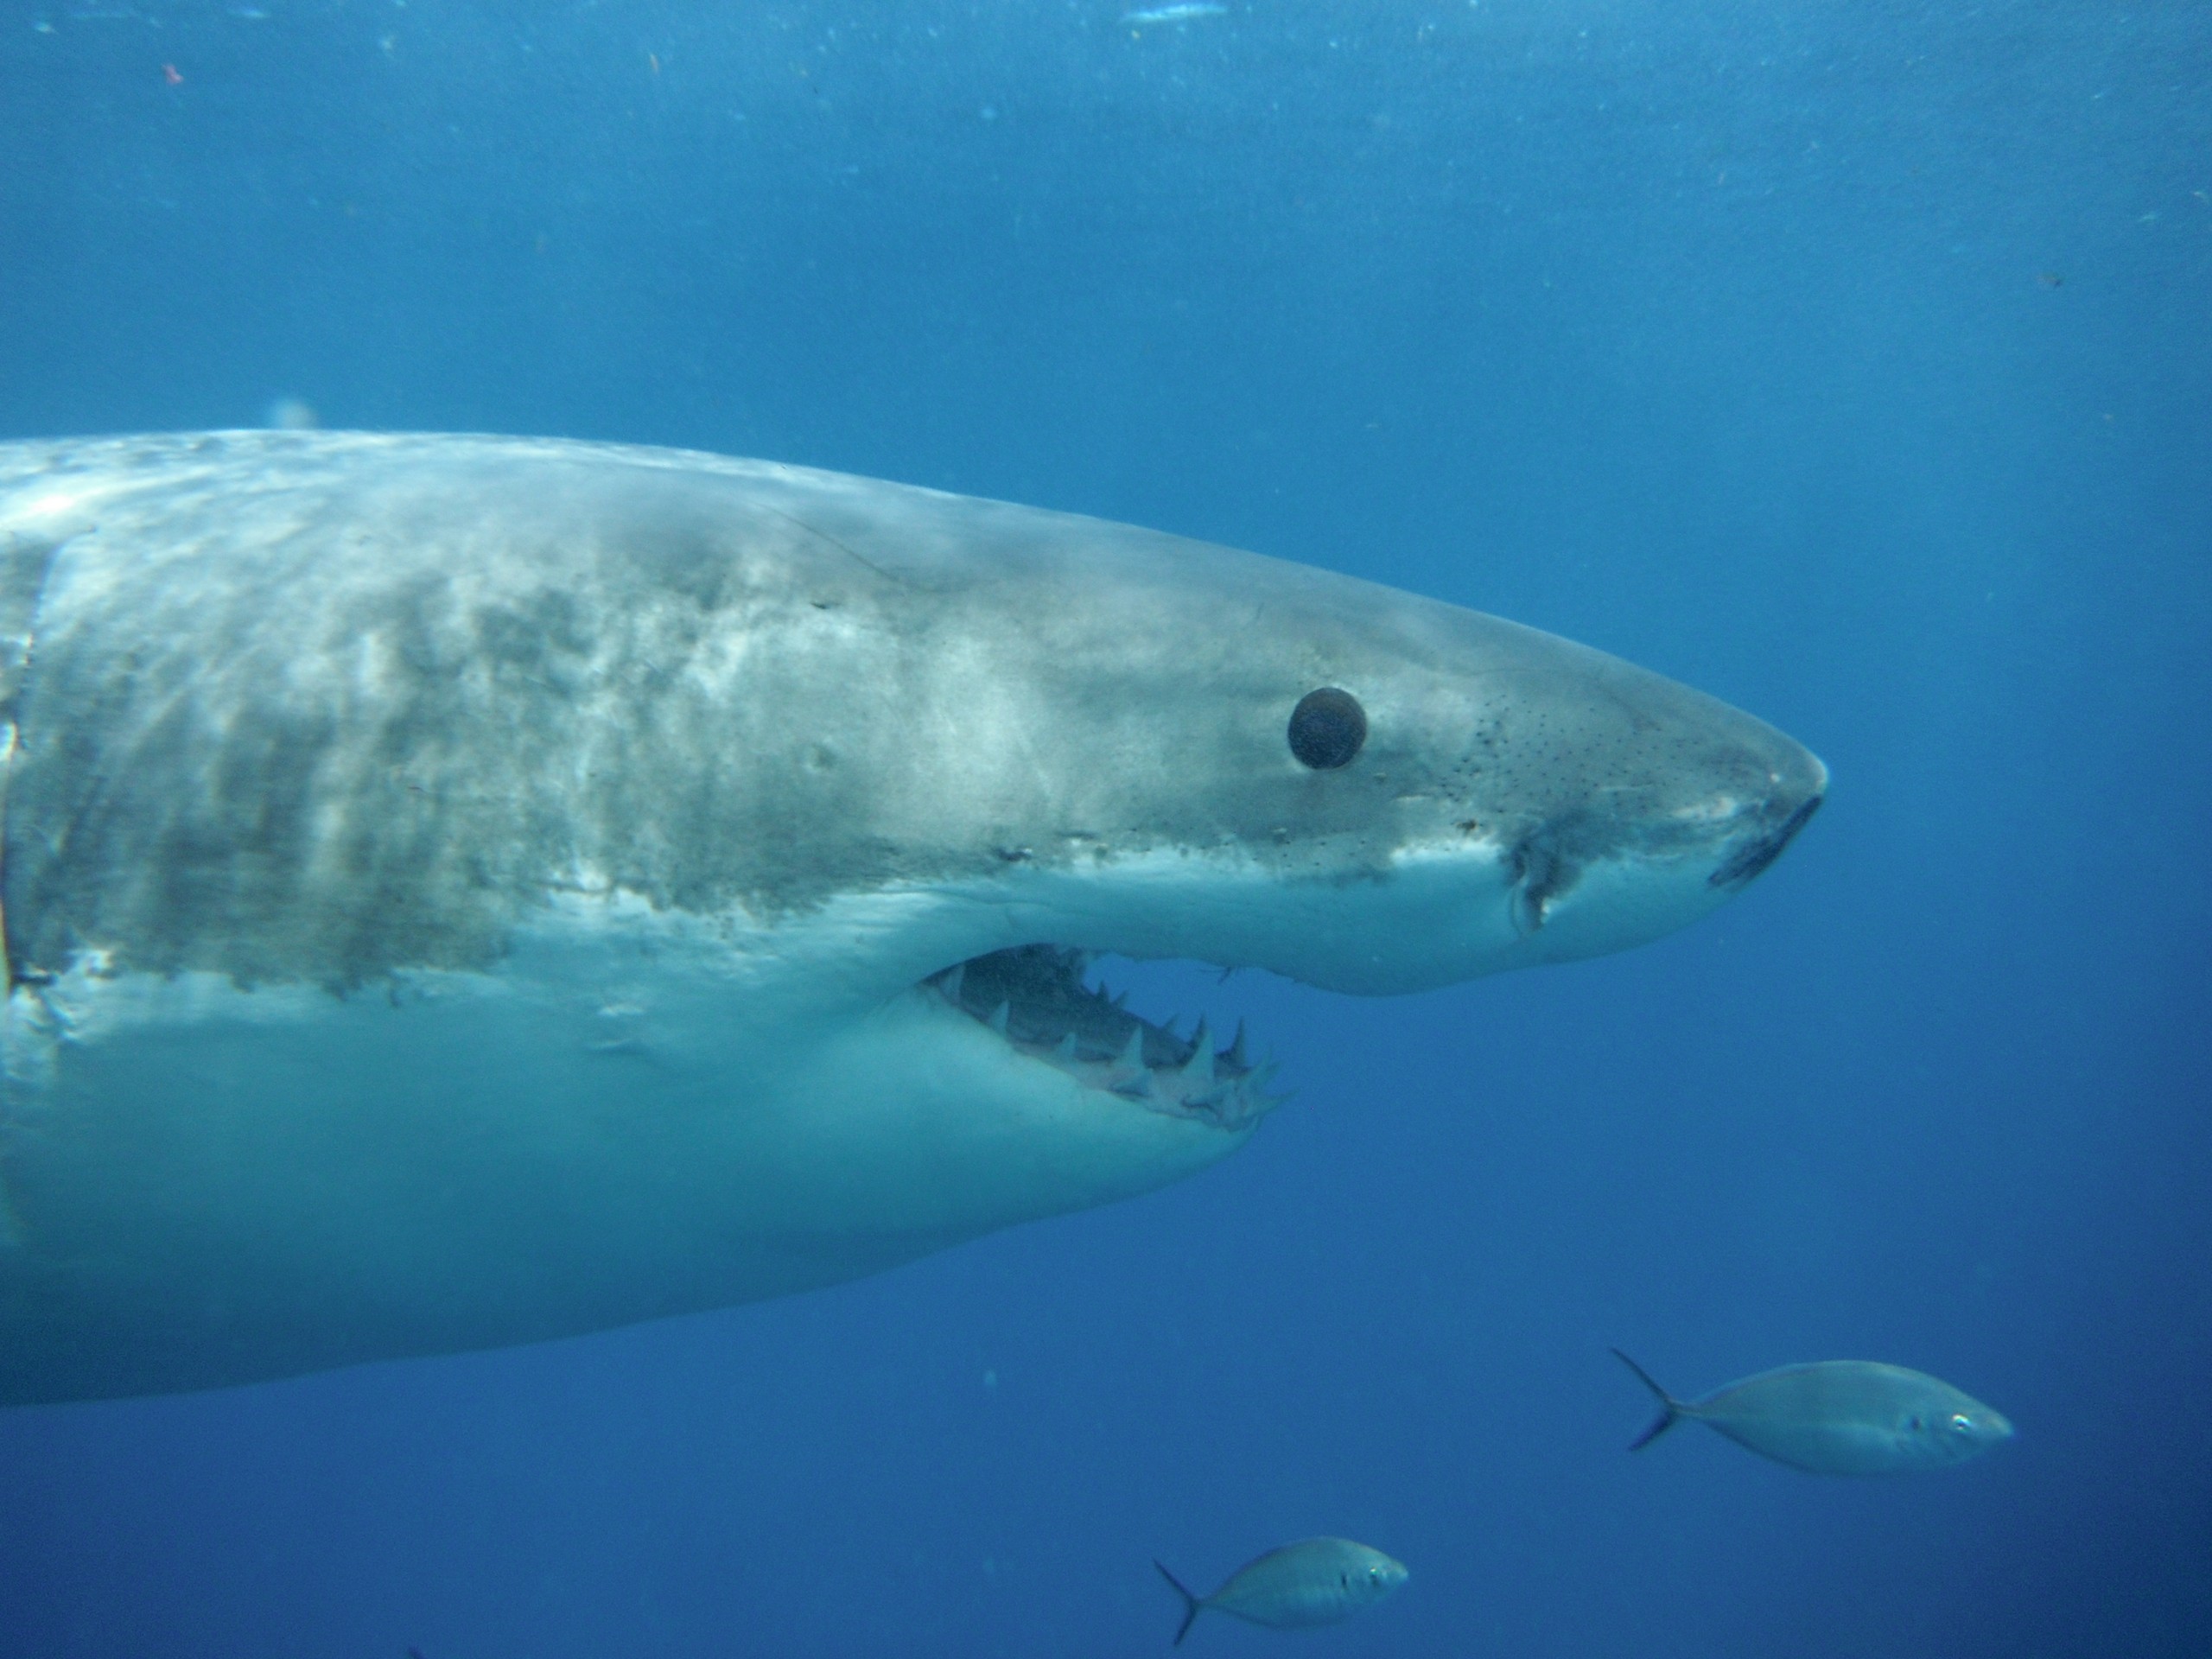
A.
pixel 1327 728
pixel 1749 859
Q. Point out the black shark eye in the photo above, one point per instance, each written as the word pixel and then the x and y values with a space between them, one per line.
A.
pixel 1326 729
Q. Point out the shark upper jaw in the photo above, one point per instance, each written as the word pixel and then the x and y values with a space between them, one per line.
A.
pixel 1441 913
pixel 1035 999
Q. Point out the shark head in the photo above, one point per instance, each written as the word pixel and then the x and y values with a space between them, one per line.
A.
pixel 1041 738
pixel 1104 739
pixel 1252 763
pixel 624 881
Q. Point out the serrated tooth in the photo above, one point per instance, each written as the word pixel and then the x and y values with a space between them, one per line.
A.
pixel 999 1016
pixel 1117 999
pixel 1198 1069
pixel 951 981
pixel 1234 1055
pixel 1063 1050
pixel 1140 1087
pixel 1129 1063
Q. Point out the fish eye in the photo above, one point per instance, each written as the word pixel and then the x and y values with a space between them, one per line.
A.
pixel 1327 728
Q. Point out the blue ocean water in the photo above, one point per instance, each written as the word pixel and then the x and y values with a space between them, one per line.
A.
pixel 1851 361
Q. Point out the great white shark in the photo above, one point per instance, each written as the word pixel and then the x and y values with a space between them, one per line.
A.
pixel 459 891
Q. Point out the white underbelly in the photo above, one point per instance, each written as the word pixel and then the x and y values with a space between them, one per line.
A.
pixel 206 1184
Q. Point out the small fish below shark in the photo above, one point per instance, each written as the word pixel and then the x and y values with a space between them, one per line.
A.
pixel 1301 1587
pixel 1839 1417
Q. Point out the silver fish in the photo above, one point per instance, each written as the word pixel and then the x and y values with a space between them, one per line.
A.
pixel 1840 1417
pixel 1313 1582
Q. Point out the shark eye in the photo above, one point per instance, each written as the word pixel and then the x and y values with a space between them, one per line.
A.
pixel 1326 729
pixel 1960 1422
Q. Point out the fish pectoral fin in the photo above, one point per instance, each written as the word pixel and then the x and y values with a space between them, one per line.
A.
pixel 1191 1603
pixel 1671 1410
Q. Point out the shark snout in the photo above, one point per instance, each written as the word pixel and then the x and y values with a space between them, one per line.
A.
pixel 1797 788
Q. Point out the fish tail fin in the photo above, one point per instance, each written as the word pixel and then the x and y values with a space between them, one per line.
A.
pixel 1670 1409
pixel 1191 1604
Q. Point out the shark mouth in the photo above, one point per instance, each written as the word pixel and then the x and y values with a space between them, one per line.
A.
pixel 1753 858
pixel 1034 997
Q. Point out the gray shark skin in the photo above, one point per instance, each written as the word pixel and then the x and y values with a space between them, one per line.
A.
pixel 462 890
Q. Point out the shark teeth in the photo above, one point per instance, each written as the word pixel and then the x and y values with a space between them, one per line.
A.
pixel 1140 1087
pixel 1198 1070
pixel 1034 999
pixel 1130 1063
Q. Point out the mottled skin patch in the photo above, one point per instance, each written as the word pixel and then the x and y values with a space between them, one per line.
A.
pixel 318 706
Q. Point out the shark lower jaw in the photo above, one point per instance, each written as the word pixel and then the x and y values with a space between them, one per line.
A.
pixel 1037 999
